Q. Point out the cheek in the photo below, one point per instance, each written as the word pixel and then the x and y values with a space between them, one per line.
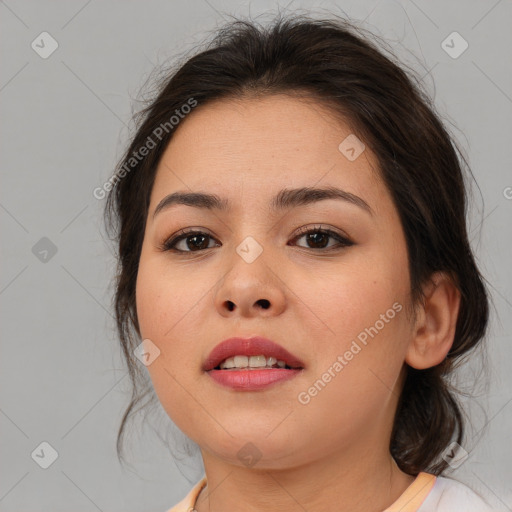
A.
pixel 163 300
pixel 170 309
pixel 150 299
pixel 360 351
pixel 346 299
pixel 163 303
pixel 358 311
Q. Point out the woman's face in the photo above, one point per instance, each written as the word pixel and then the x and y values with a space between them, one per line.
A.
pixel 340 309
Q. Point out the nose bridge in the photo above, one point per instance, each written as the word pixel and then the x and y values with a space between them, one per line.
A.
pixel 251 235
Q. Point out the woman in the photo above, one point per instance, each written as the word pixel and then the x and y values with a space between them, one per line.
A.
pixel 294 255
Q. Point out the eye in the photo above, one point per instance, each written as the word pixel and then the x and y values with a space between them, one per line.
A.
pixel 190 240
pixel 319 238
pixel 196 241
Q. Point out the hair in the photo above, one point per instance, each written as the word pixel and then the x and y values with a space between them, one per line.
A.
pixel 327 60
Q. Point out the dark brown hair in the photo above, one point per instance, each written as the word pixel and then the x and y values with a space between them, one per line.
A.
pixel 329 61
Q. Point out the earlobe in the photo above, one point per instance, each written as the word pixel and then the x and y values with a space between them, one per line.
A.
pixel 436 320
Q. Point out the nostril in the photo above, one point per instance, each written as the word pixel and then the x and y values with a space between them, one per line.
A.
pixel 264 303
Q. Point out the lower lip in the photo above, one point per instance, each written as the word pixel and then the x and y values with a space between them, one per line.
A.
pixel 251 380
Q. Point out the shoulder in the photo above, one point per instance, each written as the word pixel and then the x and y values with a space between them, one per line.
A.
pixel 448 495
pixel 188 502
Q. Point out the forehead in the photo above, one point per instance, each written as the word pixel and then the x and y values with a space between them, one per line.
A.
pixel 260 144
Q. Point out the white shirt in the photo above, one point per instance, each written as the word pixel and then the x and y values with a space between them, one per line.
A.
pixel 448 495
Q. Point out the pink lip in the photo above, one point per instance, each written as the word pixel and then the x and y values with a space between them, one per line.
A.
pixel 252 380
pixel 250 347
pixel 246 379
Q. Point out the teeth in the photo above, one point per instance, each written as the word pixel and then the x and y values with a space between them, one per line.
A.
pixel 252 362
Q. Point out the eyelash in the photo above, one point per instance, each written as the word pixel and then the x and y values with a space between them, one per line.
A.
pixel 183 234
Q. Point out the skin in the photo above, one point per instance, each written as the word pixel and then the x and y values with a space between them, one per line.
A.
pixel 333 452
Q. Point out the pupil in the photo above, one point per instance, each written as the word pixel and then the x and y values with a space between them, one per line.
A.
pixel 314 238
pixel 195 238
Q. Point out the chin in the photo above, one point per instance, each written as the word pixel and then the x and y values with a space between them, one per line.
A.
pixel 254 447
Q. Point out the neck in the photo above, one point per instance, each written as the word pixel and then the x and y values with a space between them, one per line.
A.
pixel 355 482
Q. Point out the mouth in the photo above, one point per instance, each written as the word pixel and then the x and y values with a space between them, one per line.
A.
pixel 259 362
pixel 254 353
pixel 251 364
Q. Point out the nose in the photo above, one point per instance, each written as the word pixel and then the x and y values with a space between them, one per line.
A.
pixel 250 289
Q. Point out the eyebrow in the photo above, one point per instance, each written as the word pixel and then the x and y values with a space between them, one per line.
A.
pixel 283 200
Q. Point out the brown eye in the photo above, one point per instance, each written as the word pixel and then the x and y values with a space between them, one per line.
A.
pixel 318 238
pixel 191 241
pixel 197 241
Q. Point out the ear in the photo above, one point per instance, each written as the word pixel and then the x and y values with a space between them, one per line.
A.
pixel 434 329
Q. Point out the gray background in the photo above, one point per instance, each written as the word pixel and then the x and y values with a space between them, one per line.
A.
pixel 64 124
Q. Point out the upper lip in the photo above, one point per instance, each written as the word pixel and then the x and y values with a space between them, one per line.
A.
pixel 253 346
